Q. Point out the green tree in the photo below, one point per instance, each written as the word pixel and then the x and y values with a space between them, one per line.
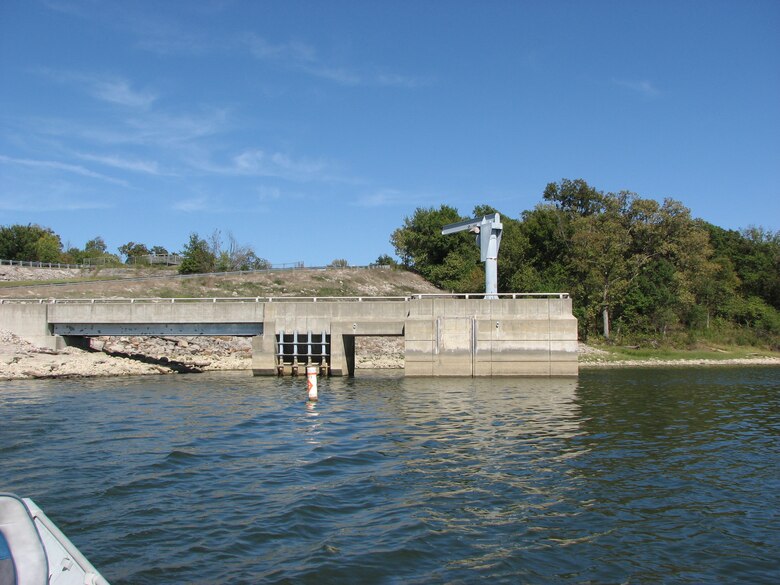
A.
pixel 252 261
pixel 600 245
pixel 29 242
pixel 385 260
pixel 755 254
pixel 132 250
pixel 448 261
pixel 197 257
pixel 48 248
pixel 574 197
pixel 419 243
pixel 95 247
pixel 95 253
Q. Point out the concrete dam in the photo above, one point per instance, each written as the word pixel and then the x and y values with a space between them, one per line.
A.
pixel 444 335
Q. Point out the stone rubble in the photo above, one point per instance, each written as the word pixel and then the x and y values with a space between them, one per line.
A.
pixel 22 273
pixel 22 360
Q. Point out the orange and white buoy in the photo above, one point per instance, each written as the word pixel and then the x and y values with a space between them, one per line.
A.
pixel 311 382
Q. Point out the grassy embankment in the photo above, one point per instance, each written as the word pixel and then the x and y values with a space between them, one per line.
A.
pixel 606 354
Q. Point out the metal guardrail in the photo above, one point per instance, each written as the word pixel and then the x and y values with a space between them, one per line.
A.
pixel 31 264
pixel 181 300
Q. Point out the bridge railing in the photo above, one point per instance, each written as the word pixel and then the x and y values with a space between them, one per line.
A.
pixel 531 295
pixel 271 299
pixel 33 264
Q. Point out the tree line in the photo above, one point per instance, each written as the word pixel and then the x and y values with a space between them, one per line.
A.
pixel 637 269
pixel 40 244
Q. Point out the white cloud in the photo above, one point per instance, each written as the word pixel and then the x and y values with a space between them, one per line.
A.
pixel 294 52
pixel 642 86
pixel 303 57
pixel 118 91
pixel 268 193
pixel 59 166
pixel 43 195
pixel 49 204
pixel 200 203
pixel 140 166
pixel 394 80
pixel 382 198
pixel 108 88
pixel 339 75
pixel 167 129
pixel 257 162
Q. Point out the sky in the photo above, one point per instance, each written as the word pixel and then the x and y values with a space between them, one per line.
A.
pixel 310 130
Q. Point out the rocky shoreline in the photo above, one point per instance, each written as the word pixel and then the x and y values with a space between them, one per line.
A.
pixel 122 356
pixel 594 358
pixel 656 363
pixel 135 356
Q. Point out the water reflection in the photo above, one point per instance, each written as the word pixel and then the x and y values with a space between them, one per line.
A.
pixel 615 477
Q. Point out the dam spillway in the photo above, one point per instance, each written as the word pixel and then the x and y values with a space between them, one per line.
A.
pixel 517 334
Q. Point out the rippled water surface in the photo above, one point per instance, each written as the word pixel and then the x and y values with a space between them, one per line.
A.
pixel 643 476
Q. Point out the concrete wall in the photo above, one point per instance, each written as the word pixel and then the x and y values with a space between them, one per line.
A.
pixel 504 337
pixel 443 336
pixel 28 321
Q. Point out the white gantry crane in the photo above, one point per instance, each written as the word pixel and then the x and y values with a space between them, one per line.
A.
pixel 488 230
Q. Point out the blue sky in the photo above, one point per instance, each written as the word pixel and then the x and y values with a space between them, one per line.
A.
pixel 311 129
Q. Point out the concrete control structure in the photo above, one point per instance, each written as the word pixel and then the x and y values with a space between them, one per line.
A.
pixel 444 335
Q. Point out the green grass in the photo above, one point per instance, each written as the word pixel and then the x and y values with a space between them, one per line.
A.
pixel 617 353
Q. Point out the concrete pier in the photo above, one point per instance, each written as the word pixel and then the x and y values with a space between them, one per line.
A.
pixel 444 335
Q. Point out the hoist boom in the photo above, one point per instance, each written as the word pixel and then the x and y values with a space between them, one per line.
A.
pixel 488 230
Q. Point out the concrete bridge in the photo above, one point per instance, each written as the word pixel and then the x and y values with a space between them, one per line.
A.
pixel 444 335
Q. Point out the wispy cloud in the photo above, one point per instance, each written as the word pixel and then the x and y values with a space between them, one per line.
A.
pixel 303 57
pixel 139 166
pixel 59 166
pixel 41 195
pixel 300 56
pixel 147 129
pixel 642 86
pixel 259 163
pixel 154 32
pixel 384 198
pixel 292 52
pixel 37 204
pixel 118 91
pixel 265 194
pixel 277 164
pixel 169 129
pixel 193 204
pixel 108 88
pixel 394 80
pixel 165 38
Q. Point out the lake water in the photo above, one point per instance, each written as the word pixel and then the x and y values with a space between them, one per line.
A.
pixel 632 476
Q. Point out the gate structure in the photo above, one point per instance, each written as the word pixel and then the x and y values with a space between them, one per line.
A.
pixel 296 351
